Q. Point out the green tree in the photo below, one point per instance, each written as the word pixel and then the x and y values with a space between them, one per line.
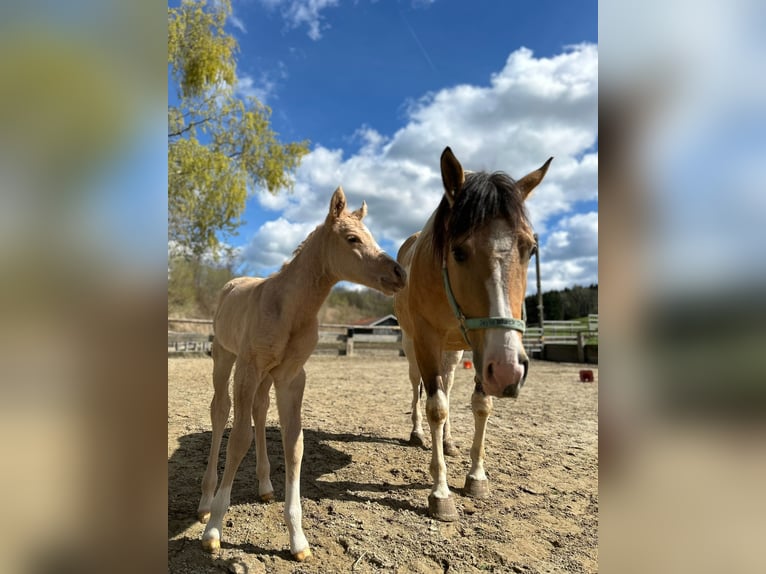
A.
pixel 220 145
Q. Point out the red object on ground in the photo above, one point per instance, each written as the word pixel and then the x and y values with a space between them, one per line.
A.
pixel 586 376
pixel 467 365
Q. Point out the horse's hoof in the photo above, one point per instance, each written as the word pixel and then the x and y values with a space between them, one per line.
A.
pixel 442 508
pixel 211 544
pixel 450 449
pixel 267 496
pixel 203 516
pixel 476 488
pixel 416 440
pixel 303 555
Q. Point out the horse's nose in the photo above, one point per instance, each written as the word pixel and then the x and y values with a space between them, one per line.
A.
pixel 502 378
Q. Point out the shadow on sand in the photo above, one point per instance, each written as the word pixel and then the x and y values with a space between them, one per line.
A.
pixel 187 464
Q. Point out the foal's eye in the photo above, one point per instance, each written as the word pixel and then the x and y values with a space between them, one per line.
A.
pixel 353 239
pixel 459 254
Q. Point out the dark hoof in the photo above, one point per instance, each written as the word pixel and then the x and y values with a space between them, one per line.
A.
pixel 476 488
pixel 417 440
pixel 450 449
pixel 442 508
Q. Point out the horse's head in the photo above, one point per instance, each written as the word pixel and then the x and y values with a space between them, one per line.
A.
pixel 352 252
pixel 483 241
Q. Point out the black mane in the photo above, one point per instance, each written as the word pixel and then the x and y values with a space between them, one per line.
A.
pixel 483 198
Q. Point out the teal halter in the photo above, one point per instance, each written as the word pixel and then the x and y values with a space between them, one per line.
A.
pixel 473 324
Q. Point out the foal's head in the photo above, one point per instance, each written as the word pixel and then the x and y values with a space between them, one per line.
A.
pixel 352 252
pixel 483 238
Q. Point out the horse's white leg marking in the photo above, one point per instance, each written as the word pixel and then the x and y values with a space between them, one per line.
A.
pixel 476 481
pixel 262 466
pixel 440 504
pixel 246 380
pixel 416 436
pixel 437 409
pixel 289 400
pixel 450 361
pixel 220 407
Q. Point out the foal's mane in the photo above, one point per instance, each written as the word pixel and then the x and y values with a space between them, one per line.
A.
pixel 483 197
pixel 299 249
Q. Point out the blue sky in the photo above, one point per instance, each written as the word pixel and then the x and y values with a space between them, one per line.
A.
pixel 381 87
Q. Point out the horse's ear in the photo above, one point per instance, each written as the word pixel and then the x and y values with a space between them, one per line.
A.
pixel 452 175
pixel 530 181
pixel 361 212
pixel 337 203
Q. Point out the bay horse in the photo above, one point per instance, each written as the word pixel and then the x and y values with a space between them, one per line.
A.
pixel 467 278
pixel 268 328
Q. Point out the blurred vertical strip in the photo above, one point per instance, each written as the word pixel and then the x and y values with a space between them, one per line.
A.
pixel 83 271
pixel 682 204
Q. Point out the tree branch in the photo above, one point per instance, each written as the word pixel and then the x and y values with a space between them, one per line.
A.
pixel 187 128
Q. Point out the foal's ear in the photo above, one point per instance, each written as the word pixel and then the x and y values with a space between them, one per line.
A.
pixel 361 212
pixel 337 203
pixel 530 181
pixel 452 175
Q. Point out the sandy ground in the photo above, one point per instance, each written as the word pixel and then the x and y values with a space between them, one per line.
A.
pixel 364 490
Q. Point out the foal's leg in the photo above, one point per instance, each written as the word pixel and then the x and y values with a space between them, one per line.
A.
pixel 289 400
pixel 246 380
pixel 220 406
pixel 476 483
pixel 262 466
pixel 417 438
pixel 450 360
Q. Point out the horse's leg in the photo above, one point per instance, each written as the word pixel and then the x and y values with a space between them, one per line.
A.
pixel 289 400
pixel 246 380
pixel 220 406
pixel 262 466
pixel 417 438
pixel 450 362
pixel 441 505
pixel 476 483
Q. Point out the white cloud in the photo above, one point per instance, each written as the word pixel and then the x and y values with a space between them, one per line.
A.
pixel 265 86
pixel 307 13
pixel 532 109
pixel 274 243
pixel 574 237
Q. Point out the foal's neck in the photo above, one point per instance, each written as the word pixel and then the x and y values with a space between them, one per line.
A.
pixel 308 276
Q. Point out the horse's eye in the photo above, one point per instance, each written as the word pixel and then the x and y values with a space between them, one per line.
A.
pixel 353 239
pixel 459 254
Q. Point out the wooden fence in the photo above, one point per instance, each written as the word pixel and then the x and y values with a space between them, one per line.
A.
pixel 552 340
pixel 557 338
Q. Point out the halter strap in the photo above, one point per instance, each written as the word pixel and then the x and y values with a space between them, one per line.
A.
pixel 475 323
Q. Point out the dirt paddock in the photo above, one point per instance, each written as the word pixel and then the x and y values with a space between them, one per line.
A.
pixel 364 489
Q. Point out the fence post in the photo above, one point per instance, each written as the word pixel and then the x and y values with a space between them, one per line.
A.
pixel 349 341
pixel 581 346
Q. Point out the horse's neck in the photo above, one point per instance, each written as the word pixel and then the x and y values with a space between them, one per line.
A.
pixel 307 277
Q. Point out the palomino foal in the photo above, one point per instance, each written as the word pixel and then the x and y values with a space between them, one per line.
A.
pixel 268 328
pixel 467 277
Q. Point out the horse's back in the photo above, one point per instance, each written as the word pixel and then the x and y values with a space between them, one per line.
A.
pixel 404 256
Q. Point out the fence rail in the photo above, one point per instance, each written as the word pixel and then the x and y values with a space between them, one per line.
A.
pixel 342 339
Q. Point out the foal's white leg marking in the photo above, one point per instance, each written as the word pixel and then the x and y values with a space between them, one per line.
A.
pixel 245 384
pixel 289 400
pixel 262 466
pixel 220 406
